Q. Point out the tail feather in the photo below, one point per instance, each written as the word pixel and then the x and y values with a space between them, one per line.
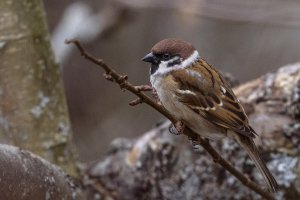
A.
pixel 249 145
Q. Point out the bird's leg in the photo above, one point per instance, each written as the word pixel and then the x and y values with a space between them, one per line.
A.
pixel 177 128
pixel 196 144
pixel 155 96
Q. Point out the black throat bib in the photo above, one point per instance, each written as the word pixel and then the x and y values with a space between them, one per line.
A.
pixel 154 68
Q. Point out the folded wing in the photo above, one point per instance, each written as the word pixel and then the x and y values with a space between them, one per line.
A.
pixel 206 92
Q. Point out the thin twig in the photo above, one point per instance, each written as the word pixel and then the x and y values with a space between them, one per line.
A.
pixel 144 88
pixel 135 102
pixel 123 82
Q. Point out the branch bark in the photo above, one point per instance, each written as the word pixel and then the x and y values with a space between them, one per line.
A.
pixel 28 177
pixel 124 84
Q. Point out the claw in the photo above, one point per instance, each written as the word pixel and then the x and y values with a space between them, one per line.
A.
pixel 155 96
pixel 177 128
pixel 196 144
pixel 173 130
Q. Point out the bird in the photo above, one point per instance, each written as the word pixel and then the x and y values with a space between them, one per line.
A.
pixel 199 97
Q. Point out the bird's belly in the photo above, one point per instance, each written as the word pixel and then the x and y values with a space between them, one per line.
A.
pixel 183 113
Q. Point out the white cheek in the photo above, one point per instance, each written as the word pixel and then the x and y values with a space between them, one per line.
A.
pixel 163 68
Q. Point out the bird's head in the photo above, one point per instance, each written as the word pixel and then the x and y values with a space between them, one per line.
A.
pixel 171 54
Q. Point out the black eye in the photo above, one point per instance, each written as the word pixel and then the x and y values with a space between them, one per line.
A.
pixel 166 56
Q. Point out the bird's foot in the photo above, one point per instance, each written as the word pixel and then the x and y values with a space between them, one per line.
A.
pixel 196 144
pixel 155 96
pixel 177 128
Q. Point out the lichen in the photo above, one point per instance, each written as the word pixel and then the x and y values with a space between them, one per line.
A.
pixel 63 128
pixel 43 100
pixel 287 79
pixel 166 168
pixel 293 103
pixel 291 132
pixel 284 166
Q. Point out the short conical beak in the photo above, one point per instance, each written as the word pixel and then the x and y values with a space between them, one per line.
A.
pixel 149 58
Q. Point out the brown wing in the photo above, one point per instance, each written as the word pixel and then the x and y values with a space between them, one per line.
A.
pixel 206 92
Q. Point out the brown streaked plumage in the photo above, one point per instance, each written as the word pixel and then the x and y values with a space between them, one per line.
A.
pixel 197 95
pixel 223 110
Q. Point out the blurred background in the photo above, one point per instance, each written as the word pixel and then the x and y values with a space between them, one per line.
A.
pixel 245 38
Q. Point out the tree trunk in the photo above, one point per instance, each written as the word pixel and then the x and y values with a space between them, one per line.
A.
pixel 33 110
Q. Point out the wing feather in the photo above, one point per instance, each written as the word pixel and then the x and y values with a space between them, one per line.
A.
pixel 217 104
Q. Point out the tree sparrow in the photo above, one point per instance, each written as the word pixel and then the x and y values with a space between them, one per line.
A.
pixel 199 97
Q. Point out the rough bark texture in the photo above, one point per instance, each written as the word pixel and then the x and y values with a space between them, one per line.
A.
pixel 33 112
pixel 28 177
pixel 159 165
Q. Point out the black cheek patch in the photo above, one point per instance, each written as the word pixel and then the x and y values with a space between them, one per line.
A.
pixel 154 68
pixel 175 62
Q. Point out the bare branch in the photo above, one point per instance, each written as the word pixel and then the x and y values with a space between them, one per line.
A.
pixel 144 88
pixel 123 82
pixel 135 102
pixel 108 77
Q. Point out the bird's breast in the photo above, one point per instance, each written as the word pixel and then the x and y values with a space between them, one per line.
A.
pixel 166 88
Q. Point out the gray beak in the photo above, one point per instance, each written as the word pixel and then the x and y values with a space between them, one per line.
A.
pixel 151 58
